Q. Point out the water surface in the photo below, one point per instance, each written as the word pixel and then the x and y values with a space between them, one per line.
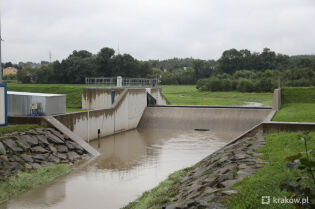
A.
pixel 131 163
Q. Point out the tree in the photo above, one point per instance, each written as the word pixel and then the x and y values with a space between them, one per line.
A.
pixel 268 59
pixel 230 61
pixel 200 70
pixel 125 65
pixel 8 64
pixel 81 53
pixel 103 61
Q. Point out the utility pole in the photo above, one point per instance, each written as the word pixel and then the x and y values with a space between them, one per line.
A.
pixel 50 55
pixel 0 53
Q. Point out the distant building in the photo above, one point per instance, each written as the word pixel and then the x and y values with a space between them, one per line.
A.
pixel 9 71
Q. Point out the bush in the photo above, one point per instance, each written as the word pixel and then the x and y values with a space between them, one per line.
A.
pixel 301 82
pixel 23 76
pixel 243 74
pixel 245 85
pixel 223 76
pixel 10 77
pixel 264 85
pixel 214 84
pixel 201 83
pixel 169 78
pixel 265 81
pixel 226 85
pixel 234 84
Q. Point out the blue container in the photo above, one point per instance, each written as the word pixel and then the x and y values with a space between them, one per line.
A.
pixel 113 96
pixel 3 105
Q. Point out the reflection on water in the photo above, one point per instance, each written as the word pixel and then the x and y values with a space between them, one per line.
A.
pixel 131 163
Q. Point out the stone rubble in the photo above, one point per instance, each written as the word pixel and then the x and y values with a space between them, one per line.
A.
pixel 32 149
pixel 208 185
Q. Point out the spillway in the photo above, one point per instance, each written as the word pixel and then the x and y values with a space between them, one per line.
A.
pixel 225 122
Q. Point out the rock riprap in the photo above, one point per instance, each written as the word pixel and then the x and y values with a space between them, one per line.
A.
pixel 209 183
pixel 35 148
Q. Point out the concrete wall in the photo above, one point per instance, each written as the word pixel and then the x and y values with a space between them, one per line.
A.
pixel 157 94
pixel 276 99
pixel 273 126
pixel 98 98
pixel 226 123
pixel 123 115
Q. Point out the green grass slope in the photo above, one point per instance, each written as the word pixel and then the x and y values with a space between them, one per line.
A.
pixel 298 105
pixel 25 181
pixel 268 180
pixel 73 92
pixel 189 95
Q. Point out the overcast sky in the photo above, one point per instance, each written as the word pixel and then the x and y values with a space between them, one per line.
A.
pixel 155 29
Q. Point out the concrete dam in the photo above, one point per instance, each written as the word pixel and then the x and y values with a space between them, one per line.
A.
pixel 130 110
pixel 140 144
pixel 225 122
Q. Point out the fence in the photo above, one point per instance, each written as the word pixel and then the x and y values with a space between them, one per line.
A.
pixel 119 82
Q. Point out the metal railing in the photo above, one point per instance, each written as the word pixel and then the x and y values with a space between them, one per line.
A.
pixel 119 82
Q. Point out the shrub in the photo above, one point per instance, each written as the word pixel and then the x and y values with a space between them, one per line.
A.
pixel 245 85
pixel 301 82
pixel 169 78
pixel 264 85
pixel 223 76
pixel 234 84
pixel 10 77
pixel 214 84
pixel 226 85
pixel 201 83
pixel 243 74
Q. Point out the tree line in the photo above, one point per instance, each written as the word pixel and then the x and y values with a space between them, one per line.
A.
pixel 241 70
pixel 81 64
pixel 258 72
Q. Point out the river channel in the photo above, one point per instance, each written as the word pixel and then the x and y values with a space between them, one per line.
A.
pixel 131 163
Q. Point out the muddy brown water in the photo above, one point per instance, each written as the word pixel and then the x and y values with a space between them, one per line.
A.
pixel 131 163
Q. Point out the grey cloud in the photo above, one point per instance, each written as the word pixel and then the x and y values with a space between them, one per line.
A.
pixel 151 29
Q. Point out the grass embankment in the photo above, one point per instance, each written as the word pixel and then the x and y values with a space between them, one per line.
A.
pixel 298 105
pixel 24 181
pixel 162 193
pixel 10 81
pixel 189 95
pixel 268 180
pixel 18 128
pixel 73 91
